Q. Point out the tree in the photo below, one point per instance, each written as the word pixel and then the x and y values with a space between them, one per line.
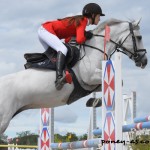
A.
pixel 26 138
pixel 58 138
pixel 83 137
pixel 141 142
pixel 3 139
pixel 70 137
pixel 24 133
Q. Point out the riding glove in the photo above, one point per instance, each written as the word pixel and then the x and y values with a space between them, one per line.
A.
pixel 88 35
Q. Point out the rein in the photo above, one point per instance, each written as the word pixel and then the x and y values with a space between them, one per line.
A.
pixel 119 47
pixel 108 57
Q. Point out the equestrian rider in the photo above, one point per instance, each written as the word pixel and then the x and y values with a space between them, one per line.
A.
pixel 51 33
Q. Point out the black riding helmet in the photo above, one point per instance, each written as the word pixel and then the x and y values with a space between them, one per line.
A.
pixel 90 9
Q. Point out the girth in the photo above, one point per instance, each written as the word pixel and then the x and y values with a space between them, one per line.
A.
pixel 78 91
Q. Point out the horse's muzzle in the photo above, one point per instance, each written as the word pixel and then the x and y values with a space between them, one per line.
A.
pixel 141 64
pixel 140 58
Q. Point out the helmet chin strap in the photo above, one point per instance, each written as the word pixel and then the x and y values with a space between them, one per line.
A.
pixel 93 18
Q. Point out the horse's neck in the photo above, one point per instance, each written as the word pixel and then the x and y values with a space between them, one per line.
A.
pixel 117 32
pixel 88 70
pixel 98 42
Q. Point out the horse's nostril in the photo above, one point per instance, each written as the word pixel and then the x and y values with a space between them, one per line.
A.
pixel 146 62
pixel 143 65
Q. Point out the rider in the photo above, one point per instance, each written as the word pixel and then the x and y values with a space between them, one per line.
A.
pixel 51 33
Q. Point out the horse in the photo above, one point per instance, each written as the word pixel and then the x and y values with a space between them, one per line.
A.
pixel 34 88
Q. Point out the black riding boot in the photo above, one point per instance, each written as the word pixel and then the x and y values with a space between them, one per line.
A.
pixel 60 65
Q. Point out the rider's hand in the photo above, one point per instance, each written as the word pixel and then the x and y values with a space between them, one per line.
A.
pixel 88 35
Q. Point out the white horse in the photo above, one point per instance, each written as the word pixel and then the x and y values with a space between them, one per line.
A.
pixel 35 88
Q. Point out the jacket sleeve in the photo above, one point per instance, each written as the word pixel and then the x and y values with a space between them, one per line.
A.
pixel 80 37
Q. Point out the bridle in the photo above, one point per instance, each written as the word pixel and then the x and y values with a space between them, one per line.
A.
pixel 136 55
pixel 119 47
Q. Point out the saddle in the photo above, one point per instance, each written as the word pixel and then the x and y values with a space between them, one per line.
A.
pixel 47 60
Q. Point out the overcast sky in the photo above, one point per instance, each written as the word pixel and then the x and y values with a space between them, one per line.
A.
pixel 19 22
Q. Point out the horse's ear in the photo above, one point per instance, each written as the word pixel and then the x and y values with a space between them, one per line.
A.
pixel 136 23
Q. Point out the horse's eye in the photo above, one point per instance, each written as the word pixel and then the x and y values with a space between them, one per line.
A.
pixel 139 37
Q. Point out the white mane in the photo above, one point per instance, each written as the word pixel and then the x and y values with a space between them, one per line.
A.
pixel 109 22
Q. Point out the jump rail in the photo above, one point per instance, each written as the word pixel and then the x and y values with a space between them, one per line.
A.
pixel 128 128
pixel 142 119
pixel 79 144
pixel 19 146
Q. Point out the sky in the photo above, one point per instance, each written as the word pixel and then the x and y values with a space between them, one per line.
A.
pixel 19 22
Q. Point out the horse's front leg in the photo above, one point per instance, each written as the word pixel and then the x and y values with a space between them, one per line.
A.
pixel 9 105
pixel 6 113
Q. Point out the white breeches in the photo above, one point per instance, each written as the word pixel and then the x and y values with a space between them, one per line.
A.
pixel 48 39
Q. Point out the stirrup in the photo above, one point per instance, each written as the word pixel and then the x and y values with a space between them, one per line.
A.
pixel 59 83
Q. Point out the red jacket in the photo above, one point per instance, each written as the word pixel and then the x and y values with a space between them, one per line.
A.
pixel 64 31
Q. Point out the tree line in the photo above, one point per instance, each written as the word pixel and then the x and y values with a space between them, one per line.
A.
pixel 28 138
pixel 141 142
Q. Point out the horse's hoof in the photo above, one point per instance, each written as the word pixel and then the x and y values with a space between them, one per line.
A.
pixel 94 102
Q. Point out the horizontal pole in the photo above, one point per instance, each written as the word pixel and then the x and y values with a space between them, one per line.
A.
pixel 128 128
pixel 142 119
pixel 136 126
pixel 79 144
pixel 20 146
